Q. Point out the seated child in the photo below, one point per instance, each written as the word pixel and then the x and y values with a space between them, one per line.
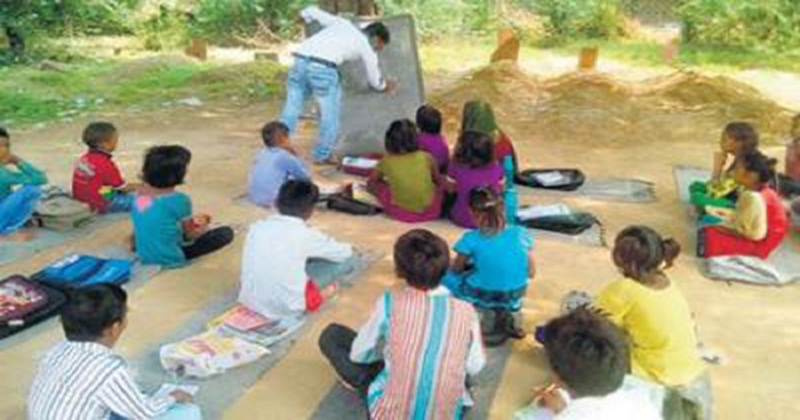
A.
pixel 83 378
pixel 492 268
pixel 274 280
pixel 589 358
pixel 274 165
pixel 397 359
pixel 722 190
pixel 407 181
pixel 790 181
pixel 430 139
pixel 96 179
pixel 165 232
pixel 653 311
pixel 758 224
pixel 19 189
pixel 479 116
pixel 473 167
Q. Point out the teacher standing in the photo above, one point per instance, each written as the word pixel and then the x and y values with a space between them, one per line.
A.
pixel 316 72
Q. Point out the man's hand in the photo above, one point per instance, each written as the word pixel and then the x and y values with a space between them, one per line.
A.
pixel 181 397
pixel 391 87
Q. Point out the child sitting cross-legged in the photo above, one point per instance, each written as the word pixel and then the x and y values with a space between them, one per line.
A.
pixel 758 224
pixel 96 179
pixel 653 312
pixel 19 191
pixel 589 359
pixel 83 378
pixel 164 229
pixel 412 358
pixel 276 163
pixel 722 190
pixel 493 266
pixel 473 166
pixel 274 282
pixel 407 181
pixel 430 139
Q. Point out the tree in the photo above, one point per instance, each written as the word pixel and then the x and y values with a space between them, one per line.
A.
pixel 15 15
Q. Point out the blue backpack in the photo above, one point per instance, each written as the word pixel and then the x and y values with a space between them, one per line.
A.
pixel 85 270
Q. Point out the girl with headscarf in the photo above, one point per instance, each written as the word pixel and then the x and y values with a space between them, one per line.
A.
pixel 479 116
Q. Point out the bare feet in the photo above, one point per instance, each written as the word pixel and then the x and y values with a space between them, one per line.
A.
pixel 329 291
pixel 23 235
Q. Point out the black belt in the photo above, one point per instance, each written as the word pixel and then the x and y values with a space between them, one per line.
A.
pixel 317 60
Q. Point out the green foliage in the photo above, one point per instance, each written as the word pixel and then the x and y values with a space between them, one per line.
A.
pixel 224 20
pixel 767 24
pixel 576 19
pixel 437 18
pixel 163 29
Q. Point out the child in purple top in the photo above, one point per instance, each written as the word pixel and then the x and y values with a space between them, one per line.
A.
pixel 430 139
pixel 473 166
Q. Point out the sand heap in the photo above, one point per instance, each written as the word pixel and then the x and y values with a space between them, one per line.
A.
pixel 592 108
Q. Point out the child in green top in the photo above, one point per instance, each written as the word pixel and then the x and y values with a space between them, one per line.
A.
pixel 407 181
pixel 19 188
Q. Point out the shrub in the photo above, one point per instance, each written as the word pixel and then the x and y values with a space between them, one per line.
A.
pixel 766 24
pixel 575 19
pixel 225 20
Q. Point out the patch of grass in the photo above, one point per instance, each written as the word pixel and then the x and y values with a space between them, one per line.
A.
pixel 650 53
pixel 29 95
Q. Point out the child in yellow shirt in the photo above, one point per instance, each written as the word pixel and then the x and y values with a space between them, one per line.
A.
pixel 656 316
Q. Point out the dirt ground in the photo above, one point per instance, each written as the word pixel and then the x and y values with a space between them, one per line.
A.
pixel 756 329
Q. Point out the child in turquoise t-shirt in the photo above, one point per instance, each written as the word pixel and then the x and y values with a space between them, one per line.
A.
pixel 165 232
pixel 19 188
pixel 493 267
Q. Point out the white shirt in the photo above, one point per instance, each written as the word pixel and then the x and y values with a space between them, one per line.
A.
pixel 340 40
pixel 86 381
pixel 273 280
pixel 635 400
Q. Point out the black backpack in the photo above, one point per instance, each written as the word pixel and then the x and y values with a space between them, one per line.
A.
pixel 345 204
pixel 570 224
pixel 572 179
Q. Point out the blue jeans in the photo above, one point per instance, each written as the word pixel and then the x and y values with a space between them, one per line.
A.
pixel 310 78
pixel 17 208
pixel 120 203
pixel 176 412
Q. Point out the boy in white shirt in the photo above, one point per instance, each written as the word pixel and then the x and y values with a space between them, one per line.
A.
pixel 589 358
pixel 274 281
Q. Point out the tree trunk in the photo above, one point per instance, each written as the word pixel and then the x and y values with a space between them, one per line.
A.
pixel 356 7
pixel 16 41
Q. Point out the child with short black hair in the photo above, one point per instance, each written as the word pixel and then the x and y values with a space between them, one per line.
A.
pixel 590 362
pixel 758 224
pixel 430 139
pixel 274 165
pixel 82 377
pixel 96 179
pixel 274 281
pixel 474 166
pixel 493 267
pixel 407 181
pixel 654 313
pixel 19 190
pixel 396 359
pixel 722 190
pixel 165 230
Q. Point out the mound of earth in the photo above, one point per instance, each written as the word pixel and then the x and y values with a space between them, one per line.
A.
pixel 594 108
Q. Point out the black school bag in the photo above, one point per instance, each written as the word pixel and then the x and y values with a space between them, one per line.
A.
pixel 343 203
pixel 25 303
pixel 569 224
pixel 571 179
